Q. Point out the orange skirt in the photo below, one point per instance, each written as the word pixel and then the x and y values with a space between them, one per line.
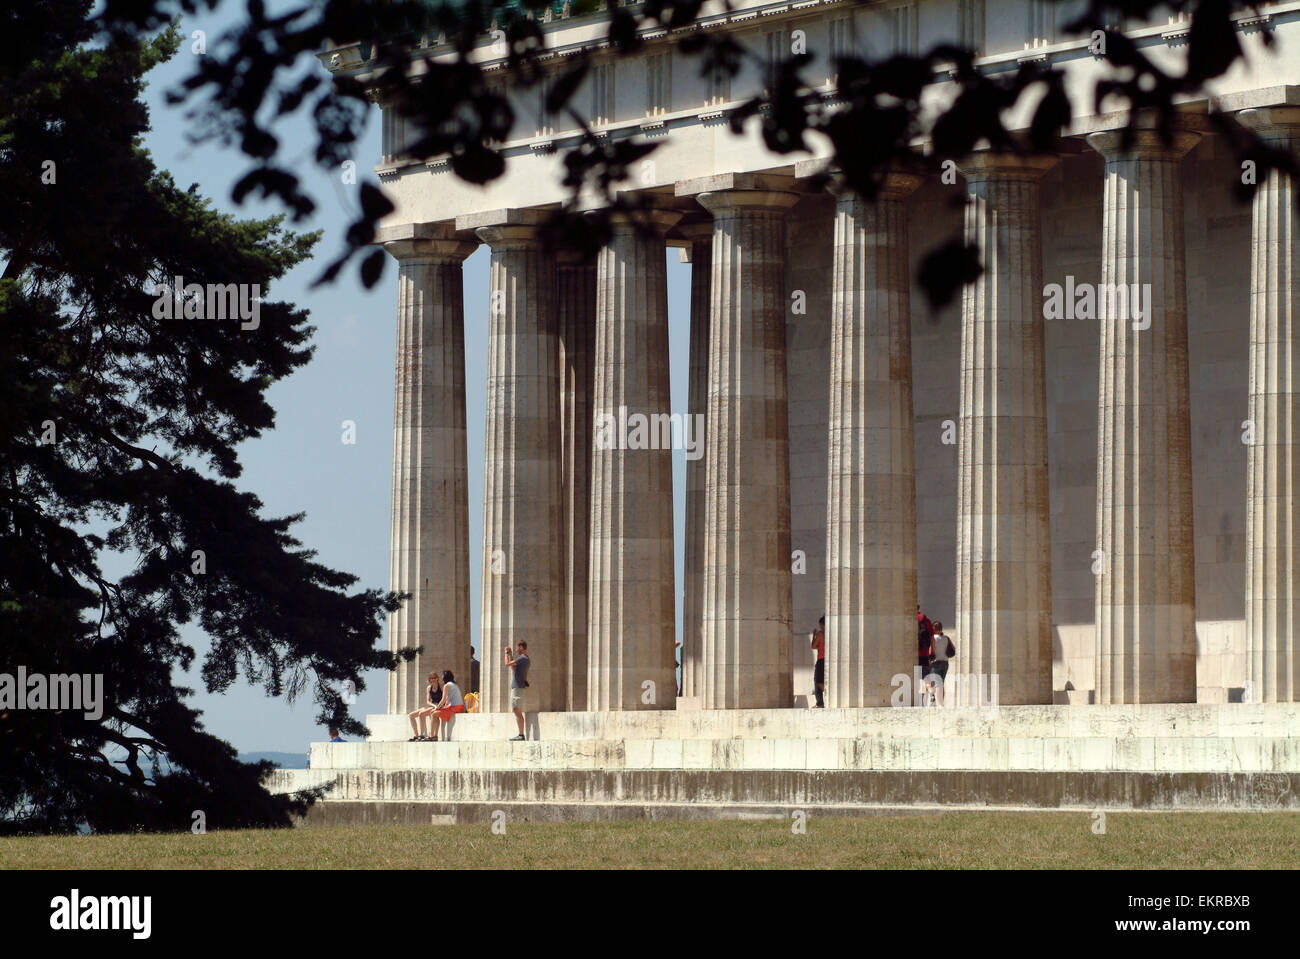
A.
pixel 448 711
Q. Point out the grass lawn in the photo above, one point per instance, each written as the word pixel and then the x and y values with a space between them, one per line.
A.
pixel 951 840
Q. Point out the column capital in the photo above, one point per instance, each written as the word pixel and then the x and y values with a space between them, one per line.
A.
pixel 1143 144
pixel 438 242
pixel 658 219
pixel 751 200
pixel 751 191
pixel 898 184
pixel 1122 133
pixel 696 230
pixel 1281 121
pixel 720 182
pixel 506 229
pixel 1004 165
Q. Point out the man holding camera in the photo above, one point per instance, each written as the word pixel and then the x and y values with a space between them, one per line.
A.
pixel 519 664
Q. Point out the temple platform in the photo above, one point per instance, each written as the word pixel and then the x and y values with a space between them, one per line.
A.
pixel 712 763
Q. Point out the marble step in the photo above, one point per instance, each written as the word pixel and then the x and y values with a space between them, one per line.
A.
pixel 1069 721
pixel 1047 753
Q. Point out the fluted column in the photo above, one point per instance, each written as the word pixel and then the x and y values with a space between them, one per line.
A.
pixel 871 501
pixel 430 508
pixel 1146 631
pixel 1004 591
pixel 748 602
pixel 1273 455
pixel 577 324
pixel 632 623
pixel 697 402
pixel 523 526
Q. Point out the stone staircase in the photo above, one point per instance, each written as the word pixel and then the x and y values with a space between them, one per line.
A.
pixel 680 763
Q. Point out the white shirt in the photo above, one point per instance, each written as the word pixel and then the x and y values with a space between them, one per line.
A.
pixel 454 698
pixel 940 648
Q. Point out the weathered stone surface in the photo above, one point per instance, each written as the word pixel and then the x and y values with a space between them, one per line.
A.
pixel 418 795
pixel 1146 623
pixel 1165 753
pixel 632 612
pixel 430 518
pixel 576 295
pixel 1273 455
pixel 723 762
pixel 1004 583
pixel 1119 721
pixel 871 503
pixel 523 531
pixel 700 235
pixel 745 654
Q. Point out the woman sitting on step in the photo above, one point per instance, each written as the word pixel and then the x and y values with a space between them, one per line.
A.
pixel 418 717
pixel 452 702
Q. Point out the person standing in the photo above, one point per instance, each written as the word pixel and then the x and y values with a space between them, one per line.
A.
pixel 678 657
pixel 519 664
pixel 944 650
pixel 924 652
pixel 818 643
pixel 473 670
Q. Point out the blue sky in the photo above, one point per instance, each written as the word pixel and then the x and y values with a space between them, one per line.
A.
pixel 303 464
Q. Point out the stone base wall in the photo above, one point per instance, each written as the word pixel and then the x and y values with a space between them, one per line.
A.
pixel 573 797
pixel 754 762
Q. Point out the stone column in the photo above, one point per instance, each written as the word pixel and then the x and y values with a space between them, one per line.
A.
pixel 430 519
pixel 701 237
pixel 871 501
pixel 748 603
pixel 632 624
pixel 1273 457
pixel 577 323
pixel 523 512
pixel 1146 629
pixel 1004 588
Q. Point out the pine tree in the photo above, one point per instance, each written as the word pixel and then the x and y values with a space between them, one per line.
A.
pixel 120 414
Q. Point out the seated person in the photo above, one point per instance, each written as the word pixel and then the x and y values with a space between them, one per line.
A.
pixel 452 702
pixel 433 693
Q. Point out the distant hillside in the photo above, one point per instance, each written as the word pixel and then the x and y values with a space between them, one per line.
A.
pixel 284 760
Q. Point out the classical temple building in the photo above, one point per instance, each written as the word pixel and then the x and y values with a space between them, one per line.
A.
pixel 1097 494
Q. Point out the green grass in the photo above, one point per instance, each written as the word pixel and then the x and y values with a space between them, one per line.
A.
pixel 950 840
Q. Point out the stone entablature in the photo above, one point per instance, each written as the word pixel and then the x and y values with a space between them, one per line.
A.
pixel 700 144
